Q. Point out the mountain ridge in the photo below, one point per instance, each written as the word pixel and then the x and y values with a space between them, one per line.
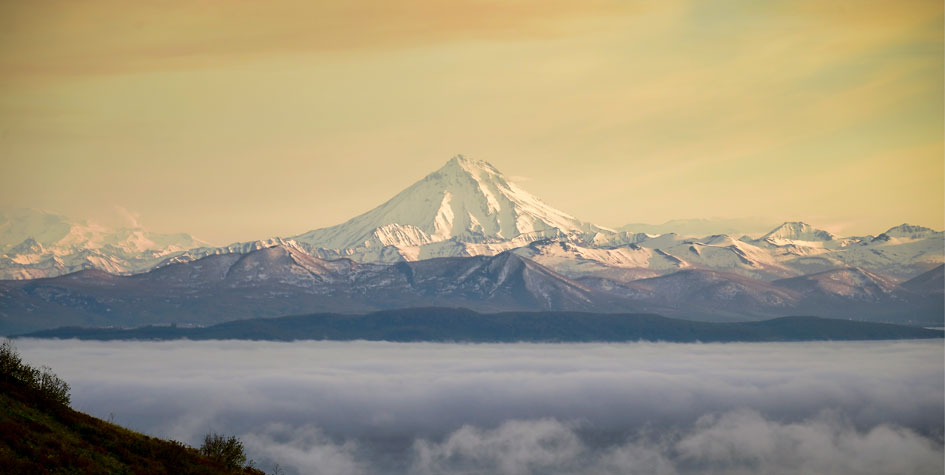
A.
pixel 797 231
pixel 283 279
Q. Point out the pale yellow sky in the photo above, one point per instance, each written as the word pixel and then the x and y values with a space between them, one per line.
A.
pixel 244 119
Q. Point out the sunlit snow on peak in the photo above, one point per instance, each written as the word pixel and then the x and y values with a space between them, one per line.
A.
pixel 466 200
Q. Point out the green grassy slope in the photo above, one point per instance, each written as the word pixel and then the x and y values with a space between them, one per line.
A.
pixel 38 435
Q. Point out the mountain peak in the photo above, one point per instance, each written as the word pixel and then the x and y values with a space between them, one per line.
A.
pixel 797 231
pixel 467 200
pixel 467 162
pixel 462 165
pixel 28 246
pixel 906 230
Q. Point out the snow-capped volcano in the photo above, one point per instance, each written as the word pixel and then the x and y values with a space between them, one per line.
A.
pixel 466 200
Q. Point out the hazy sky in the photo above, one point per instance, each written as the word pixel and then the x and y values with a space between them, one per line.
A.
pixel 242 120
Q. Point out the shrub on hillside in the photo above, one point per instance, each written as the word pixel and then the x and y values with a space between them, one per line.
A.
pixel 227 451
pixel 42 379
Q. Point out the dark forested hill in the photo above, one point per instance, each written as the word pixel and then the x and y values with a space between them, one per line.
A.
pixel 456 324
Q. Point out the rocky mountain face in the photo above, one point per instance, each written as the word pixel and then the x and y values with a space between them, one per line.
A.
pixel 931 282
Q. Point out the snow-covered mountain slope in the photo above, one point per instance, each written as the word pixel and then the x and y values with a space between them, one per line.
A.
pixel 702 295
pixel 705 227
pixel 759 259
pixel 848 293
pixel 907 231
pixel 850 283
pixel 901 252
pixel 235 248
pixel 466 200
pixel 623 263
pixel 727 254
pixel 863 295
pixel 792 232
pixel 39 244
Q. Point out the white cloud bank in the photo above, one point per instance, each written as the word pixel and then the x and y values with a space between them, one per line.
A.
pixel 740 441
pixel 367 407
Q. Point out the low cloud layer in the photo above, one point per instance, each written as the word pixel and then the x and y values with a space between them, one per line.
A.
pixel 367 407
pixel 740 441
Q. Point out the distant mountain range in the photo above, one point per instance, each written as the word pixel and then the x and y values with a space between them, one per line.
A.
pixel 38 244
pixel 462 236
pixel 706 227
pixel 284 280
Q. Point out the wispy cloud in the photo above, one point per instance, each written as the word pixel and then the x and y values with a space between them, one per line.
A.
pixel 130 217
pixel 62 38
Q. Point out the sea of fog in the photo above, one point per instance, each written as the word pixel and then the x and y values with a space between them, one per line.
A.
pixel 370 407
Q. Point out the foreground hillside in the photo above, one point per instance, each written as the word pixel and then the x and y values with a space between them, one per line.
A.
pixel 462 325
pixel 40 434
